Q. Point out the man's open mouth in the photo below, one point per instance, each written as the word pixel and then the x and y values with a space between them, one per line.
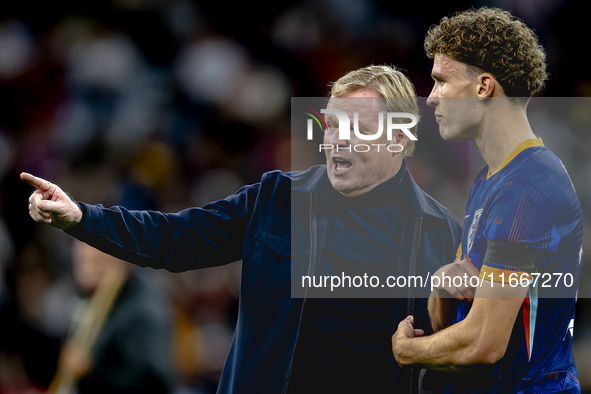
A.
pixel 341 165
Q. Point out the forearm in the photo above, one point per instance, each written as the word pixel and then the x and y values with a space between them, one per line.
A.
pixel 480 339
pixel 453 349
pixel 442 309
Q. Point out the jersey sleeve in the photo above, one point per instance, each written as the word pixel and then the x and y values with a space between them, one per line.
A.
pixel 519 222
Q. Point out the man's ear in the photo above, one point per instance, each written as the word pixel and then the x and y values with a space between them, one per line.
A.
pixel 400 139
pixel 485 86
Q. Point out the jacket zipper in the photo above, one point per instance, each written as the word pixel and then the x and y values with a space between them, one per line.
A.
pixel 414 255
pixel 311 263
pixel 410 308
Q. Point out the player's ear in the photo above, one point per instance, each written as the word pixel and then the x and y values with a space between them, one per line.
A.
pixel 485 86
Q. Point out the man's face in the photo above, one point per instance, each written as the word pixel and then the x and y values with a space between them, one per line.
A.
pixel 354 173
pixel 454 98
pixel 90 266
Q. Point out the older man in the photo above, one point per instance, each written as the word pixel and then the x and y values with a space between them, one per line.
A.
pixel 360 210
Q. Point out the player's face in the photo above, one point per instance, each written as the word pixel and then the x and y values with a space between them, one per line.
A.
pixel 454 98
pixel 354 173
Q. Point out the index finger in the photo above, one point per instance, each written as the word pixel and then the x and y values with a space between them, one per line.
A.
pixel 405 326
pixel 467 293
pixel 39 183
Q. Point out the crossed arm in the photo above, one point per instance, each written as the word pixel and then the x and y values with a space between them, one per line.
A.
pixel 480 339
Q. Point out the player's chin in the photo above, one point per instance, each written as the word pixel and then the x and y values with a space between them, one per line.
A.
pixel 446 133
pixel 449 135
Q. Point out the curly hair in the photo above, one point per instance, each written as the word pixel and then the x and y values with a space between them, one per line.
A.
pixel 389 82
pixel 492 40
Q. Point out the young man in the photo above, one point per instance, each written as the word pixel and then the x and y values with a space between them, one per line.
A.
pixel 523 219
pixel 360 210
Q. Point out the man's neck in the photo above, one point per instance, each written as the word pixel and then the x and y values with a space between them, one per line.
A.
pixel 501 132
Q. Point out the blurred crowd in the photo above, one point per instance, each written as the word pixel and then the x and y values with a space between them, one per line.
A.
pixel 168 104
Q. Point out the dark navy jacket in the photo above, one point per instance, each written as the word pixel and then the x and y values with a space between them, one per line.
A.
pixel 271 225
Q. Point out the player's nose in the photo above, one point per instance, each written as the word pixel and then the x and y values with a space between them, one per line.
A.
pixel 432 100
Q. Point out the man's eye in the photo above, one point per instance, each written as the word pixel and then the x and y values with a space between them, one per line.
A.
pixel 331 128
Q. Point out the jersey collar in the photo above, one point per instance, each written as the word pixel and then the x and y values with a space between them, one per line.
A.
pixel 523 146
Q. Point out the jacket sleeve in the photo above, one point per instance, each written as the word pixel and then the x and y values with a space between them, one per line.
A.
pixel 193 238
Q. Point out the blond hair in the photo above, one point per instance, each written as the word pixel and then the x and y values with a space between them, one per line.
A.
pixel 492 40
pixel 396 89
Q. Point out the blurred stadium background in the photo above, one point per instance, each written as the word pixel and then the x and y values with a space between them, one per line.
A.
pixel 167 104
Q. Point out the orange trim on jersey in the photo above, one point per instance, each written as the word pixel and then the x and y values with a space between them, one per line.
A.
pixel 525 309
pixel 523 146
pixel 503 275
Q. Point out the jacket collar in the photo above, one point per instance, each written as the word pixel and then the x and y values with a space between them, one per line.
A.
pixel 417 199
pixel 315 179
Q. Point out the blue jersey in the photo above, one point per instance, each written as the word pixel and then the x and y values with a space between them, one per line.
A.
pixel 529 200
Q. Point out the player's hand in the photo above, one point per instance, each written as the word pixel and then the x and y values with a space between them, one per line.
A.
pixel 49 204
pixel 462 268
pixel 400 344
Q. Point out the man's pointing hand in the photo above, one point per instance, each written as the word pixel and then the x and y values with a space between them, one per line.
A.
pixel 50 204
